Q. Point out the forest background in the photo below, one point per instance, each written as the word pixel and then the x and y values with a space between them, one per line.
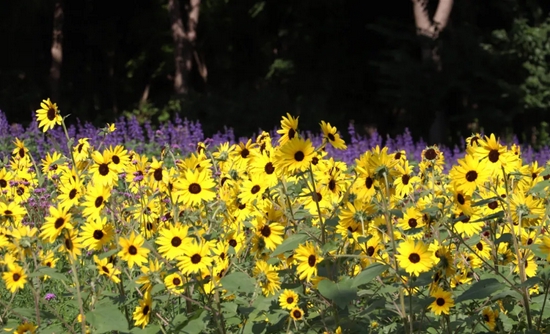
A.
pixel 443 69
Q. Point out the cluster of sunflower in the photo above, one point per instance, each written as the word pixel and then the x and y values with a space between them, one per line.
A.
pixel 185 223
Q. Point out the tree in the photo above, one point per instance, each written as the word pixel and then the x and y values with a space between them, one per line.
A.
pixel 430 29
pixel 56 50
pixel 184 43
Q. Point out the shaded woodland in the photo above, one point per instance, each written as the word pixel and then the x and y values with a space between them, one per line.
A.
pixel 441 68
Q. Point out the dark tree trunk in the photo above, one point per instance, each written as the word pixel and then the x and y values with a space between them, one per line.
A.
pixel 56 50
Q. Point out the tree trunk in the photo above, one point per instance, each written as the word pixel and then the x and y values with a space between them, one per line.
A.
pixel 184 42
pixel 430 29
pixel 56 50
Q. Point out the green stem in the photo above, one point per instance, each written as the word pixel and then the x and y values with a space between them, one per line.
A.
pixel 78 294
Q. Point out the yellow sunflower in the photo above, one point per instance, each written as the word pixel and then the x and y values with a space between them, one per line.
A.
pixel 308 257
pixel 196 257
pixel 289 129
pixel 469 174
pixel 294 156
pixel 332 136
pixel 172 241
pixel 415 258
pixel 58 219
pixel 15 278
pixel 106 268
pixel 268 277
pixel 288 299
pixel 195 187
pixel 143 311
pixel 133 251
pixel 443 301
pixel 48 115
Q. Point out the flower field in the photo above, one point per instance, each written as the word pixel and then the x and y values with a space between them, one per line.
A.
pixel 103 231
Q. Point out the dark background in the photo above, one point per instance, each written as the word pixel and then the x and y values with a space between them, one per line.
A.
pixel 338 61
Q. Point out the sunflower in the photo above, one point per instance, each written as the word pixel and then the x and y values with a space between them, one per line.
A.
pixel 530 209
pixel 268 277
pixel 12 212
pixel 490 317
pixel 120 158
pixel 81 151
pixel 48 115
pixel 103 170
pixel 195 187
pixel 132 250
pixel 51 164
pixel 289 129
pixel 469 174
pixel 308 257
pixel 295 155
pixel 71 244
pixel 158 176
pixel 365 185
pixel 412 222
pixel 443 301
pixel 496 154
pixel 196 257
pixel 20 151
pixel 297 314
pixel 243 153
pixel 332 136
pixel 174 283
pixel 15 278
pixel 143 311
pixel 251 190
pixel 272 233
pixel 405 183
pixel 58 219
pixel 172 241
pixel 288 299
pixel 106 268
pixel 96 234
pixel 415 258
pixel 24 328
pixel 96 197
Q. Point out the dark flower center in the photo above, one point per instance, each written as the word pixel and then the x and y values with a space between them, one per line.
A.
pixel 311 260
pixel 299 156
pixel 413 223
pixel 51 114
pixel 72 194
pixel 69 244
pixel 59 222
pixel 194 188
pixel 331 137
pixel 297 314
pixel 291 133
pixel 314 161
pixel 290 300
pixel 176 281
pixel 115 159
pixel 98 201
pixel 20 191
pixel 176 241
pixel 414 258
pixel 317 197
pixel 440 301
pixel 196 258
pixel 397 156
pixel 132 250
pixel 105 269
pixel 471 176
pixel 430 154
pixel 158 174
pixel 146 310
pixel 16 277
pixel 368 182
pixel 244 153
pixel 266 231
pixel 269 169
pixel 479 246
pixel 233 243
pixel 98 234
pixel 255 189
pixel 3 183
pixel 21 153
pixel 332 185
pixel 405 179
pixel 493 205
pixel 370 250
pixel 460 199
pixel 493 156
pixel 103 169
pixel 8 213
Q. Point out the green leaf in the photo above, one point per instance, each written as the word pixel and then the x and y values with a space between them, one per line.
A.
pixel 53 273
pixel 107 317
pixel 480 290
pixel 367 275
pixel 149 329
pixel 238 282
pixel 290 243
pixel 539 187
pixel 197 324
pixel 340 293
pixel 529 282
